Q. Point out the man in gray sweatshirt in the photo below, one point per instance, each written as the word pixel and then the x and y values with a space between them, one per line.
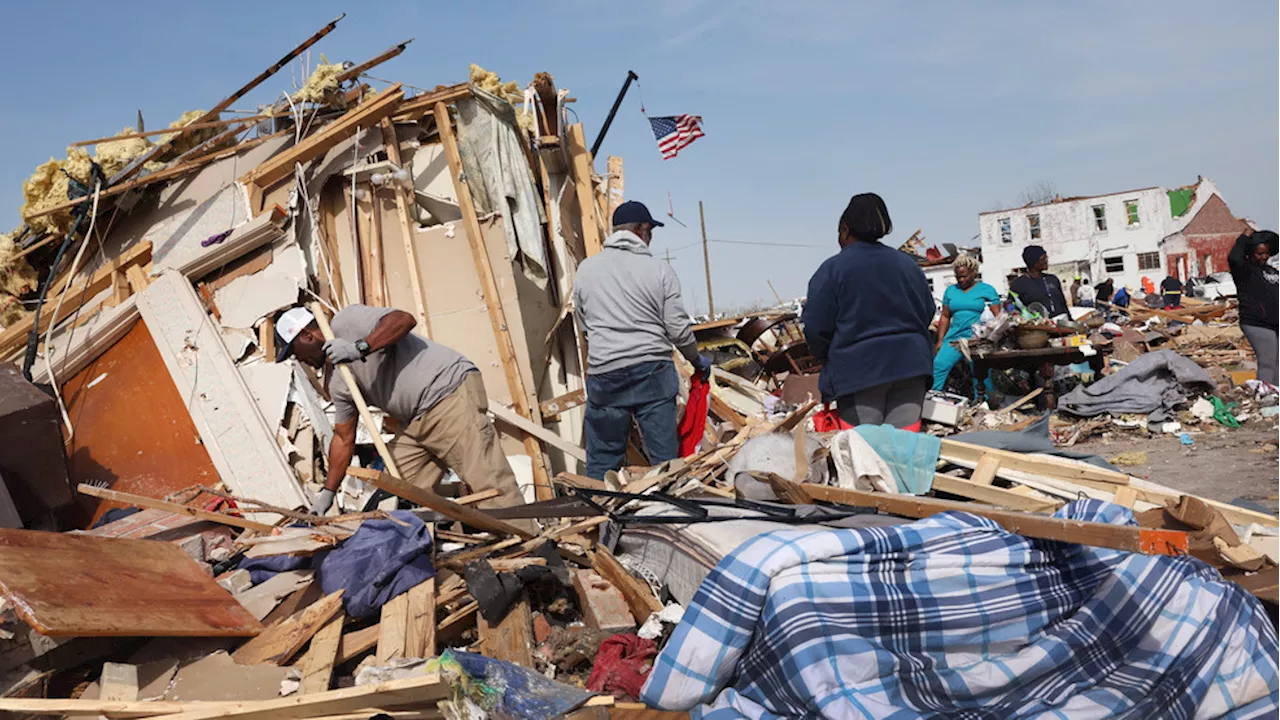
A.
pixel 628 303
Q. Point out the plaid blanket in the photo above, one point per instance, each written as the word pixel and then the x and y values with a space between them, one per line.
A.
pixel 953 617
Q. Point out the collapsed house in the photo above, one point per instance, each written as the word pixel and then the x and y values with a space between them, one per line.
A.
pixel 187 583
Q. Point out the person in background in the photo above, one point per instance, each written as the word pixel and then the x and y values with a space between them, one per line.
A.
pixel 1086 294
pixel 1038 286
pixel 1105 290
pixel 867 318
pixel 1256 291
pixel 1148 287
pixel 628 303
pixel 1122 297
pixel 1075 291
pixel 962 306
pixel 1171 288
pixel 435 394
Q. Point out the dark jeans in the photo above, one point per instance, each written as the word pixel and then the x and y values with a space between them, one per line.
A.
pixel 646 391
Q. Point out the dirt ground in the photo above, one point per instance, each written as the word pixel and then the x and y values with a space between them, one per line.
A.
pixel 1227 465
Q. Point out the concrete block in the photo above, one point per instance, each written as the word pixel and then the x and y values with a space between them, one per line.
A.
pixel 236 581
pixel 193 546
pixel 603 606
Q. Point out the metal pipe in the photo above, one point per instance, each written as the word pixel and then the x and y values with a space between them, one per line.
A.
pixel 595 146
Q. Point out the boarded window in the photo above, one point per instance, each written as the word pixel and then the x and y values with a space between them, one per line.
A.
pixel 1099 218
pixel 1114 264
pixel 1033 225
pixel 1149 261
pixel 1131 213
pixel 1006 231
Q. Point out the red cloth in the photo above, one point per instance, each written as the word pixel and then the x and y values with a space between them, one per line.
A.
pixel 828 420
pixel 694 422
pixel 622 665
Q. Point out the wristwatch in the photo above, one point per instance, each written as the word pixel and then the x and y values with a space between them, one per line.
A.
pixel 363 347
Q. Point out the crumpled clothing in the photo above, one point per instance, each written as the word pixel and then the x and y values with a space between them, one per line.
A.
pixel 1154 383
pixel 622 665
pixel 885 459
pixel 694 421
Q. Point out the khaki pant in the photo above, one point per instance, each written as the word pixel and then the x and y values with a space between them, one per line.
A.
pixel 457 433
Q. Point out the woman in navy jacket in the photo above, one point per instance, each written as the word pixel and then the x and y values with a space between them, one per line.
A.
pixel 867 318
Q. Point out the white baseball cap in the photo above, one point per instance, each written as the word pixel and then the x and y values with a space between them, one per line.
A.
pixel 288 325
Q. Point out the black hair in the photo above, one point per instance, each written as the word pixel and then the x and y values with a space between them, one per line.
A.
pixel 1263 237
pixel 866 218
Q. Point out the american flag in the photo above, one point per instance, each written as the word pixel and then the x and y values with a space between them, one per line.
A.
pixel 674 132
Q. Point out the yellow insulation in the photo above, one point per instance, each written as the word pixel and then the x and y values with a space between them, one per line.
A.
pixel 16 279
pixel 322 86
pixel 509 91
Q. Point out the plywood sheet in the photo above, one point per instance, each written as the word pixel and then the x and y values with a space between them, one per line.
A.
pixel 155 452
pixel 88 586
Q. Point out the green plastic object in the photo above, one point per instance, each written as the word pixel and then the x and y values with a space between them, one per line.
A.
pixel 1224 412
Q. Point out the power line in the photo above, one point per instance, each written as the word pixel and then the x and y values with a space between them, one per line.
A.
pixel 767 244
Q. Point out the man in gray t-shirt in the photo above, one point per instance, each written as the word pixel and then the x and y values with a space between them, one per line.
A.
pixel 435 394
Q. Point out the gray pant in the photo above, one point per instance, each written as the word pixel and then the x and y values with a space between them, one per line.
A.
pixel 897 403
pixel 1264 345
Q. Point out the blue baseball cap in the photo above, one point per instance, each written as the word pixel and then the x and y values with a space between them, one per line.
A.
pixel 633 212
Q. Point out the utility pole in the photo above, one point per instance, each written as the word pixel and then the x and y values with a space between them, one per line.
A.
pixel 706 262
pixel 775 292
pixel 668 256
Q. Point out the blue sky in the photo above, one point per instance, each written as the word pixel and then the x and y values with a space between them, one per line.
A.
pixel 945 109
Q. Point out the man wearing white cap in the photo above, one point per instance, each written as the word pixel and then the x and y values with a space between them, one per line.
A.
pixel 434 392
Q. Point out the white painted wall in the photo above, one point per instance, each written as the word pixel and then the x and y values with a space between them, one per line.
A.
pixel 1068 234
pixel 939 276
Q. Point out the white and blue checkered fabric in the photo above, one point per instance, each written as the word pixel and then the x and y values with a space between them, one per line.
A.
pixel 954 617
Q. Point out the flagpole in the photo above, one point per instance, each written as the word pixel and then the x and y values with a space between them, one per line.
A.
pixel 706 263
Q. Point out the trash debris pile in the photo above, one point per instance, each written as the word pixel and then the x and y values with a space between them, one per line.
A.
pixel 160 448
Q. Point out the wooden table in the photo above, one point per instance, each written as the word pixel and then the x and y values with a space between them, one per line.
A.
pixel 1042 359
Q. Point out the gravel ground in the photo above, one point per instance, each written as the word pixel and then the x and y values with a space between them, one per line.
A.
pixel 1226 465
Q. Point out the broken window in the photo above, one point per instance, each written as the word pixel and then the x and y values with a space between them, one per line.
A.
pixel 1099 218
pixel 1149 261
pixel 1033 224
pixel 1114 264
pixel 1131 213
pixel 1006 231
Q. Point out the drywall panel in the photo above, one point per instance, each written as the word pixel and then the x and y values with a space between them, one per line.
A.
pixel 240 442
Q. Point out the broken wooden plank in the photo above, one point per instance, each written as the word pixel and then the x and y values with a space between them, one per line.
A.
pixel 510 417
pixel 458 616
pixel 146 502
pixel 408 228
pixel 992 495
pixel 481 496
pixel 420 634
pixel 493 305
pixel 1047 465
pixel 551 409
pixel 1117 537
pixel 393 629
pixel 376 60
pixel 511 640
pixel 583 186
pixel 722 410
pixel 83 585
pixel 241 445
pixel 279 643
pixel 356 643
pixel 513 564
pixel 1126 496
pixel 985 473
pixel 317 663
pixel 364 116
pixel 640 599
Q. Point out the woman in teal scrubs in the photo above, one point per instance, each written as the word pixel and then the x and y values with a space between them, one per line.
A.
pixel 962 306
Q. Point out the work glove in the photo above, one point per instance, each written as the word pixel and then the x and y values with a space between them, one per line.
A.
pixel 341 351
pixel 322 502
pixel 703 366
